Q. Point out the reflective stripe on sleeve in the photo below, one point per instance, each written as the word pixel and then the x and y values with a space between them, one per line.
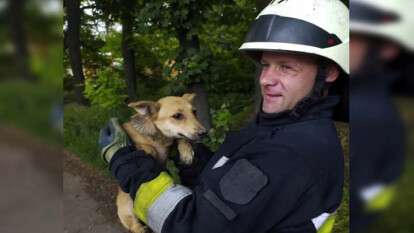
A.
pixel 149 192
pixel 324 223
pixel 381 200
pixel 164 205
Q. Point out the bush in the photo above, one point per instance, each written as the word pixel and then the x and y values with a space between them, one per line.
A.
pixel 106 90
pixel 223 121
pixel 81 129
pixel 221 124
pixel 29 106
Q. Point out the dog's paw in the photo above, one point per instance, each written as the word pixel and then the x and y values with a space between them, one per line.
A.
pixel 150 150
pixel 187 158
pixel 186 152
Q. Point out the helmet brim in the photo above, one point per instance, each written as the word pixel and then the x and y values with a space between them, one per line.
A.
pixel 329 53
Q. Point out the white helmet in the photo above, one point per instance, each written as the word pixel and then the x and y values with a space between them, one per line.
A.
pixel 319 27
pixel 391 19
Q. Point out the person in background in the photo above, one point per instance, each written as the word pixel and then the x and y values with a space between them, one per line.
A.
pixel 379 40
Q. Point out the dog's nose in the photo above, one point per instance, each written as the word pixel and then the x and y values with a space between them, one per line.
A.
pixel 202 133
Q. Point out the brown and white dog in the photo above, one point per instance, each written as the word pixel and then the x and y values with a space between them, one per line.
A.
pixel 153 129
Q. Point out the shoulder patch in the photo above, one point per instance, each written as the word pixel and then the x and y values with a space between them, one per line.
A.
pixel 242 182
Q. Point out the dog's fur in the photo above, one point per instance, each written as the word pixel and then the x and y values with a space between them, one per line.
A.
pixel 153 129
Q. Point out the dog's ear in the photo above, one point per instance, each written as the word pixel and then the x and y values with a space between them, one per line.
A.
pixel 145 108
pixel 189 97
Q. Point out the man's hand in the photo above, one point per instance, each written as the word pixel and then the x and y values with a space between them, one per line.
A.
pixel 112 138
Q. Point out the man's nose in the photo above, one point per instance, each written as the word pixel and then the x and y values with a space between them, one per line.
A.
pixel 268 77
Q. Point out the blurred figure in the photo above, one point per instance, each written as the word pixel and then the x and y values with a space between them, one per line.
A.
pixel 380 40
pixel 30 127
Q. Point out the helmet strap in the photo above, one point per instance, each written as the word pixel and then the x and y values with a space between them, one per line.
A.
pixel 315 95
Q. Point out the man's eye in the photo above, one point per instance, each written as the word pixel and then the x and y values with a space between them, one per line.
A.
pixel 263 65
pixel 178 116
pixel 286 67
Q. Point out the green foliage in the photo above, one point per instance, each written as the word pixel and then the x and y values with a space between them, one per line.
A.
pixel 225 118
pixel 222 34
pixel 177 43
pixel 221 125
pixel 175 15
pixel 29 106
pixel 81 131
pixel 342 221
pixel 192 68
pixel 48 65
pixel 204 38
pixel 107 90
pixel 398 218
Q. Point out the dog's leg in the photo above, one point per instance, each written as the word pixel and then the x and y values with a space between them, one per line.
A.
pixel 186 151
pixel 149 150
pixel 126 214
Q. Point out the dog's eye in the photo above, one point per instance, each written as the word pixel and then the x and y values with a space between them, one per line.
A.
pixel 178 116
pixel 195 112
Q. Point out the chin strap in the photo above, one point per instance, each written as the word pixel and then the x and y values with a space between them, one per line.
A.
pixel 316 93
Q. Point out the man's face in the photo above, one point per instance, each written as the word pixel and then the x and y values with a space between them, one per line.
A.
pixel 358 48
pixel 285 80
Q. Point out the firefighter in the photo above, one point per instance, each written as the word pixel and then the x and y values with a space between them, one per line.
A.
pixel 281 173
pixel 380 35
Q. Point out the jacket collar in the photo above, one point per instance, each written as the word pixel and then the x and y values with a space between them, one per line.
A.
pixel 322 109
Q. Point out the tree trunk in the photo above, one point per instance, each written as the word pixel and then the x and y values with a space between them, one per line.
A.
pixel 128 53
pixel 73 12
pixel 189 47
pixel 201 104
pixel 19 39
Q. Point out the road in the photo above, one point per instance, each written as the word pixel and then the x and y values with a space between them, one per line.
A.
pixel 47 190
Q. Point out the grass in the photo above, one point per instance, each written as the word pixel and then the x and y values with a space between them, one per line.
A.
pixel 81 130
pixel 29 106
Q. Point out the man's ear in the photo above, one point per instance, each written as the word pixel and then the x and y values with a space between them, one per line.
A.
pixel 145 108
pixel 389 52
pixel 189 97
pixel 332 73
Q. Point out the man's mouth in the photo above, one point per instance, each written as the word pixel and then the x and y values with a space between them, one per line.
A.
pixel 273 95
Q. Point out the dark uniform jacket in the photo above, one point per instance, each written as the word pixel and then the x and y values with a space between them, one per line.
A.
pixel 276 175
pixel 376 141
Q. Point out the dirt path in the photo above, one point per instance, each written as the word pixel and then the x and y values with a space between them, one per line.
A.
pixel 89 199
pixel 31 186
pixel 44 190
